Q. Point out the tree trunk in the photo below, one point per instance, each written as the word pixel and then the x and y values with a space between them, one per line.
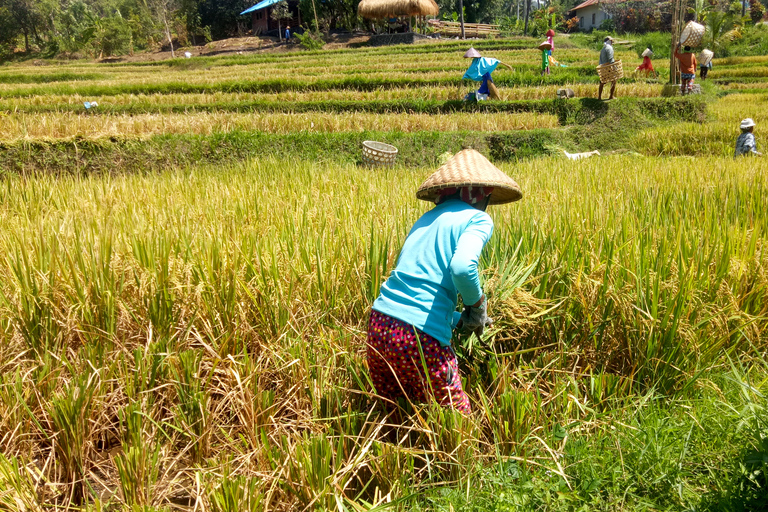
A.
pixel 527 10
pixel 461 17
pixel 279 34
pixel 168 35
pixel 317 23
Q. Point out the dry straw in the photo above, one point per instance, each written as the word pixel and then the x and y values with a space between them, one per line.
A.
pixel 386 8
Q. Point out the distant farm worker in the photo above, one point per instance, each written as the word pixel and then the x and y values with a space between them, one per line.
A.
pixel 412 320
pixel 606 57
pixel 480 71
pixel 546 49
pixel 288 33
pixel 646 67
pixel 705 63
pixel 746 144
pixel 687 68
pixel 551 40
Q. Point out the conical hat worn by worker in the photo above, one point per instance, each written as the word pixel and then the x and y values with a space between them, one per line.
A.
pixel 469 168
pixel 472 54
pixel 545 46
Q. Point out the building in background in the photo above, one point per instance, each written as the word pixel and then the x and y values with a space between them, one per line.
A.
pixel 262 22
pixel 590 14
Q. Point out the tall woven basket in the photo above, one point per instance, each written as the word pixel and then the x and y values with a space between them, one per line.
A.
pixel 692 34
pixel 379 154
pixel 610 72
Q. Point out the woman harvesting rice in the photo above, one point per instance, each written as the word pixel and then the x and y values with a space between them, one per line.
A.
pixel 415 313
pixel 480 71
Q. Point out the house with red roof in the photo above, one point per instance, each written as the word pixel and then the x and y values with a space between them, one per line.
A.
pixel 590 14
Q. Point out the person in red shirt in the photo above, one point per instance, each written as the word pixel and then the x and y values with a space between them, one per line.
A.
pixel 647 66
pixel 687 68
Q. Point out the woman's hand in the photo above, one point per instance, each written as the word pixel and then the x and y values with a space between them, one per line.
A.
pixel 474 318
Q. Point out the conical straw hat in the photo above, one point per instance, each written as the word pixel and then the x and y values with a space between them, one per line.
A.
pixel 472 54
pixel 470 168
pixel 545 46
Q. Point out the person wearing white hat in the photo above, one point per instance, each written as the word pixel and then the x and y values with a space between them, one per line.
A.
pixel 412 320
pixel 606 57
pixel 745 143
pixel 647 66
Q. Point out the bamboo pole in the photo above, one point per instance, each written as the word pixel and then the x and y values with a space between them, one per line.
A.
pixel 678 16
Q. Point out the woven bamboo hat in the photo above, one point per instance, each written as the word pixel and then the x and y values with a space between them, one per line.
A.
pixel 545 46
pixel 472 54
pixel 470 168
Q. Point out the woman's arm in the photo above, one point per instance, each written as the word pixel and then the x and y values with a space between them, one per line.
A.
pixel 464 263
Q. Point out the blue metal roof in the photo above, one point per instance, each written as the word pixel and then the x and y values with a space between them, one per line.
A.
pixel 261 5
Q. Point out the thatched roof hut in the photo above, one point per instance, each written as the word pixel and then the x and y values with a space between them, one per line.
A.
pixel 380 9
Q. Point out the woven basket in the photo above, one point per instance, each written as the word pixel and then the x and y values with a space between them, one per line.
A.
pixel 610 72
pixel 705 57
pixel 378 154
pixel 692 34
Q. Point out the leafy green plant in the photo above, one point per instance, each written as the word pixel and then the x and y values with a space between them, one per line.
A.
pixel 70 417
pixel 310 40
pixel 192 408
pixel 236 494
pixel 138 466
pixel 17 488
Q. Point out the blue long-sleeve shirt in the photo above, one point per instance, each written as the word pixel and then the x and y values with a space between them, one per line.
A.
pixel 439 259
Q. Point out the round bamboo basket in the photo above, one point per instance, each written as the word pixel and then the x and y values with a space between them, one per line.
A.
pixel 610 72
pixel 379 154
pixel 705 57
pixel 692 34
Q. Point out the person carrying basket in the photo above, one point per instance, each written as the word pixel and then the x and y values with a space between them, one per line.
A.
pixel 411 325
pixel 647 66
pixel 687 68
pixel 606 57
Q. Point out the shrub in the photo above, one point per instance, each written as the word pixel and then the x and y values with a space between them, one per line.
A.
pixel 310 40
pixel 658 41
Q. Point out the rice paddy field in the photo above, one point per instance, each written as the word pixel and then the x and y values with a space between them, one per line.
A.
pixel 188 268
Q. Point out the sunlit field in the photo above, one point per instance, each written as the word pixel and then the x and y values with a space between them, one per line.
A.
pixel 192 336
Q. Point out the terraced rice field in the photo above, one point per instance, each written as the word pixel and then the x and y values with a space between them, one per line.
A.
pixel 188 270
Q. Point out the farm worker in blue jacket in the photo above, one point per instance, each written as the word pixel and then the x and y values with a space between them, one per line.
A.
pixel 480 71
pixel 415 312
pixel 287 33
pixel 745 143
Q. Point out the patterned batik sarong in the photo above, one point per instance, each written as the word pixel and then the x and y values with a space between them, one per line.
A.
pixel 396 365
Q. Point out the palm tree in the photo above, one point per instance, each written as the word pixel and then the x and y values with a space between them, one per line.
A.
pixel 722 27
